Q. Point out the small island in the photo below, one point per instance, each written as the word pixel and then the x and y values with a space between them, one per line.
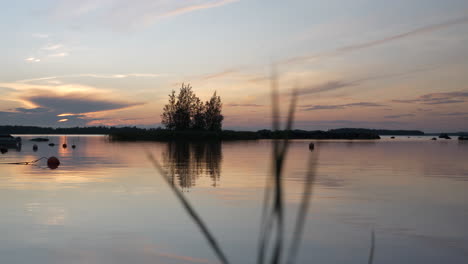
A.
pixel 186 117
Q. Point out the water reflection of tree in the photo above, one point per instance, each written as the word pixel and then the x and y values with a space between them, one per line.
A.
pixel 187 161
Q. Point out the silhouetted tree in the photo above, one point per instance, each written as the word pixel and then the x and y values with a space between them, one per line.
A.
pixel 198 121
pixel 186 111
pixel 184 108
pixel 169 112
pixel 213 116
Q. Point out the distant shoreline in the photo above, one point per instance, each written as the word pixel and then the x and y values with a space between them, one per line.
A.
pixel 169 135
pixel 158 134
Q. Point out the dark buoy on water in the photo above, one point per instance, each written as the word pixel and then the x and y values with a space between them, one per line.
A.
pixel 64 145
pixel 73 146
pixel 51 144
pixel 35 147
pixel 311 146
pixel 3 150
pixel 53 163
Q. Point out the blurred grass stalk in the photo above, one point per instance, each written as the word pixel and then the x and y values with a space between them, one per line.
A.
pixel 272 220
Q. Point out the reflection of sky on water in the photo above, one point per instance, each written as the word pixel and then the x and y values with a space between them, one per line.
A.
pixel 106 204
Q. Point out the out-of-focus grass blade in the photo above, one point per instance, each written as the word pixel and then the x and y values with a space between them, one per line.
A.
pixel 273 216
pixel 279 206
pixel 372 249
pixel 191 212
pixel 303 208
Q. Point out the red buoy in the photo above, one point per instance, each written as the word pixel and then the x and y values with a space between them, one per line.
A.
pixel 53 163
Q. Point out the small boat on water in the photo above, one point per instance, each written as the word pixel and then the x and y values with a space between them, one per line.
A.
pixel 8 141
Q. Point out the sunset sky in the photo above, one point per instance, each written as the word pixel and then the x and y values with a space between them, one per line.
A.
pixel 376 64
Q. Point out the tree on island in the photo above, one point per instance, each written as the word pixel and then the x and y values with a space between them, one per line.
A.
pixel 186 111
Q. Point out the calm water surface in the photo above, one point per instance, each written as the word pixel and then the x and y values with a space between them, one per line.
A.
pixel 106 203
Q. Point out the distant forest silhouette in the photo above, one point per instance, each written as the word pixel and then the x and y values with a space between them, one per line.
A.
pixel 98 130
pixel 135 133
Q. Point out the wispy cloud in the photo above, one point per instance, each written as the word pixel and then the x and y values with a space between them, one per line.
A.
pixel 326 87
pixel 40 35
pixel 414 32
pixel 194 7
pixel 351 123
pixel 219 74
pixel 60 54
pixel 32 59
pixel 341 106
pixel 438 98
pixel 381 41
pixel 244 105
pixel 136 14
pixel 76 103
pixel 92 75
pixel 32 110
pixel 52 47
pixel 455 114
pixel 398 116
pixel 46 107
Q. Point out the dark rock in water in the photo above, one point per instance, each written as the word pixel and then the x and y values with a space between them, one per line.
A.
pixel 39 139
pixel 35 147
pixel 51 144
pixel 434 138
pixel 463 138
pixel 311 146
pixel 53 163
pixel 64 145
pixel 444 136
pixel 392 137
pixel 73 146
pixel 3 150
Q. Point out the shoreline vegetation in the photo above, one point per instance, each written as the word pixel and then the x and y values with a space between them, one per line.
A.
pixel 159 134
pixel 169 135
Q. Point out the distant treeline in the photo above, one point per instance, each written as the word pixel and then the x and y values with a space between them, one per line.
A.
pixel 167 135
pixel 449 134
pixel 381 132
pixel 134 133
pixel 97 130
